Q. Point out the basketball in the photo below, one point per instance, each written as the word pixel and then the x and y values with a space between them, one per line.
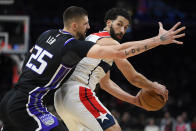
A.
pixel 150 100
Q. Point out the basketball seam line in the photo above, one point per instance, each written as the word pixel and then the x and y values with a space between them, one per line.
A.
pixel 148 104
pixel 154 97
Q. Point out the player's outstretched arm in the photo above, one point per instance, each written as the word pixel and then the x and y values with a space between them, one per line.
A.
pixel 130 49
pixel 138 79
pixel 164 37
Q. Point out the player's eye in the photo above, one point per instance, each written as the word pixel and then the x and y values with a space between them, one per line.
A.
pixel 119 24
pixel 86 23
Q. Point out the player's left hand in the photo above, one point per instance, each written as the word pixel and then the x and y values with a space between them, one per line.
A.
pixel 137 101
pixel 170 36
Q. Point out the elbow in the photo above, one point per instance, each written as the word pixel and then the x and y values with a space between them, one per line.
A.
pixel 102 86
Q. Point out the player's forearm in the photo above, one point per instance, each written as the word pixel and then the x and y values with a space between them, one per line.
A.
pixel 132 75
pixel 124 50
pixel 113 89
pixel 137 47
pixel 142 82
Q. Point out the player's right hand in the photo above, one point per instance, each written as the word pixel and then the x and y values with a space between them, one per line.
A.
pixel 161 89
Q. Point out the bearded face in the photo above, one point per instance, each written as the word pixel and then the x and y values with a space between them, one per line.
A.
pixel 116 36
pixel 82 27
pixel 118 27
pixel 81 36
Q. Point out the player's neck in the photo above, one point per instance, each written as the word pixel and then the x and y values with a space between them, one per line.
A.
pixel 106 29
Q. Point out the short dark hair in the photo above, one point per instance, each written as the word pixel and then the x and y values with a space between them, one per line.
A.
pixel 73 12
pixel 113 13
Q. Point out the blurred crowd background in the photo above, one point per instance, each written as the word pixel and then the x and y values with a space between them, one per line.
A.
pixel 171 65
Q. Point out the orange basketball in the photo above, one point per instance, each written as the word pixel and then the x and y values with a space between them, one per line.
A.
pixel 150 100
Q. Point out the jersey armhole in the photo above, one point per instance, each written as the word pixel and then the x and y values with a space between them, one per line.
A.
pixel 103 37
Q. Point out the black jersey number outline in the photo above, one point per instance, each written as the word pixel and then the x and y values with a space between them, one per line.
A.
pixel 39 57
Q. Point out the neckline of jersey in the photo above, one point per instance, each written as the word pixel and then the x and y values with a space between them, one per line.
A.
pixel 104 31
pixel 64 32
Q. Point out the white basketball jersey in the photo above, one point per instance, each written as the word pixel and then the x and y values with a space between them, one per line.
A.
pixel 90 71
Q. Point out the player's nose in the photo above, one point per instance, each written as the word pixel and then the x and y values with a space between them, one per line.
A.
pixel 88 26
pixel 122 30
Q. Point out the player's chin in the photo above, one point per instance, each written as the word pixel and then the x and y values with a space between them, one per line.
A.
pixel 119 36
pixel 84 34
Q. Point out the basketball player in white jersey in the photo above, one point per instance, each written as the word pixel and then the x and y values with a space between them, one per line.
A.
pixel 76 102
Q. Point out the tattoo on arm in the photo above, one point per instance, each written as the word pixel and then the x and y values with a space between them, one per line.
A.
pixel 163 37
pixel 136 50
pixel 145 47
pixel 133 51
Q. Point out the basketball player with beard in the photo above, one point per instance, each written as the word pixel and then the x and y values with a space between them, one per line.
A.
pixel 76 102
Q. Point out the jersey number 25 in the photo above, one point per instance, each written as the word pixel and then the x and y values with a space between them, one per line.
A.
pixel 39 57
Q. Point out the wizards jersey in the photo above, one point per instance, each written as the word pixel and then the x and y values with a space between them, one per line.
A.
pixel 90 71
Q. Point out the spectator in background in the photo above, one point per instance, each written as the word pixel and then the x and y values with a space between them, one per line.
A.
pixel 151 126
pixel 168 126
pixel 193 124
pixel 185 117
pixel 181 125
pixel 167 122
pixel 126 121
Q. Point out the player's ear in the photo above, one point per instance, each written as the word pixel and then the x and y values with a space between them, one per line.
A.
pixel 74 26
pixel 109 23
